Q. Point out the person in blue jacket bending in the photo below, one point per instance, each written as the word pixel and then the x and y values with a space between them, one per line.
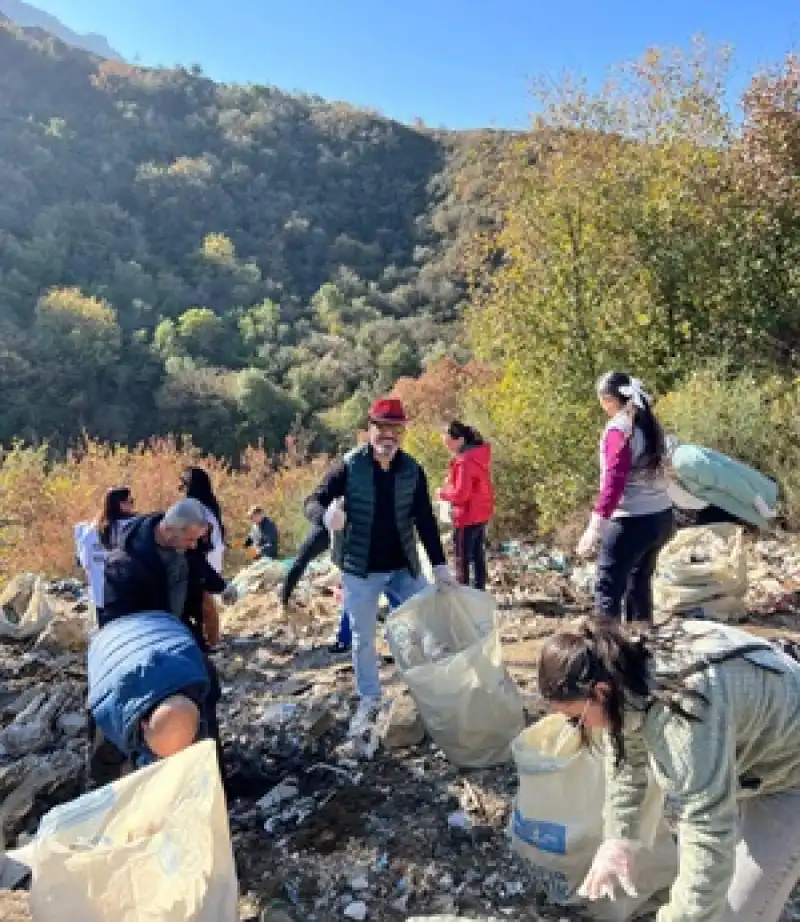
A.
pixel 148 682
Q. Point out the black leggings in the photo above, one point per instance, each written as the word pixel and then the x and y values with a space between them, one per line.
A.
pixel 316 542
pixel 469 547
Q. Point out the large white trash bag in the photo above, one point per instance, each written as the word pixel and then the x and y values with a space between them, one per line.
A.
pixel 153 847
pixel 447 648
pixel 557 820
pixel 702 572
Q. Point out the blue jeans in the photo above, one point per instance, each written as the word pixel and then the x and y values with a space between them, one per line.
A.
pixel 626 564
pixel 361 599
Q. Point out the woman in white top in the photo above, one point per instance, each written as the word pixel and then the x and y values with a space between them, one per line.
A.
pixel 95 539
pixel 196 484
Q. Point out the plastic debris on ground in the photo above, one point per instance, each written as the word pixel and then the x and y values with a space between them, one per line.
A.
pixel 312 819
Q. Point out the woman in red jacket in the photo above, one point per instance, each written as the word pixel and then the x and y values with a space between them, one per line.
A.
pixel 470 492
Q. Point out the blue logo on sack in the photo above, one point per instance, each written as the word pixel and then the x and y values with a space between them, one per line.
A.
pixel 547 837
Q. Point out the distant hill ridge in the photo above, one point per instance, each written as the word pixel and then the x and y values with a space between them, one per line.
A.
pixel 31 17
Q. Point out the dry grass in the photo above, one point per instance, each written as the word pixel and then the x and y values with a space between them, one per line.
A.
pixel 42 499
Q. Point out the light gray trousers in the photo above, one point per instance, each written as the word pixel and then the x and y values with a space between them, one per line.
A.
pixel 767 858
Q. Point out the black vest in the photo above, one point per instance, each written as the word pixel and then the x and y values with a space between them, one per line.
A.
pixel 351 547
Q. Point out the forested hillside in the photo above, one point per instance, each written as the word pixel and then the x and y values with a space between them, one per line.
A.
pixel 178 255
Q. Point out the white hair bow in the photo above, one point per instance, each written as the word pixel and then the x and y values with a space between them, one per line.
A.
pixel 635 392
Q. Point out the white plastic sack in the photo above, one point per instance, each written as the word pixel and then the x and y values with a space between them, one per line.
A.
pixel 557 820
pixel 260 576
pixel 703 569
pixel 153 847
pixel 24 609
pixel 447 648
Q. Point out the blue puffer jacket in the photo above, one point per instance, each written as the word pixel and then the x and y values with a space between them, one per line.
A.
pixel 135 662
pixel 720 481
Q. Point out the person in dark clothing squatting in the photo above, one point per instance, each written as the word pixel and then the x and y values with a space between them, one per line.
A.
pixel 263 535
pixel 373 502
pixel 160 565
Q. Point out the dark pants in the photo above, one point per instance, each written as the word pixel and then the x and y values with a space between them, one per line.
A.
pixel 469 545
pixel 626 564
pixel 317 542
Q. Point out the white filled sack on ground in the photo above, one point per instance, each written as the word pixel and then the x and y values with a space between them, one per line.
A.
pixel 557 821
pixel 153 847
pixel 447 648
pixel 262 575
pixel 702 572
pixel 24 608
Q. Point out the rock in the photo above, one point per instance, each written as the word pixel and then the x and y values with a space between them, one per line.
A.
pixel 34 728
pixel 72 724
pixel 404 727
pixel 280 794
pixel 356 910
pixel 64 633
pixel 14 907
pixel 359 883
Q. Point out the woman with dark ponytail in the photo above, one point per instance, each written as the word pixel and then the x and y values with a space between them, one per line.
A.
pixel 633 517
pixel 196 484
pixel 714 714
pixel 93 541
pixel 470 492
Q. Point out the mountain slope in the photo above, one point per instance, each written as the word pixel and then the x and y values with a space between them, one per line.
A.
pixel 31 17
pixel 259 256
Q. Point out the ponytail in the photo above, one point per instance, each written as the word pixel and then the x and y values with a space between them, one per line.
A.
pixel 459 430
pixel 627 390
pixel 600 650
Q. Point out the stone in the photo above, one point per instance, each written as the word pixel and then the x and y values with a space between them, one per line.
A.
pixel 72 723
pixel 356 910
pixel 359 883
pixel 280 794
pixel 404 727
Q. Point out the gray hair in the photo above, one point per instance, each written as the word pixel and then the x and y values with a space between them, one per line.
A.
pixel 184 514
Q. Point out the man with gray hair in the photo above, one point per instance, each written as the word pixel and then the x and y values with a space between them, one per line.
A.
pixel 155 568
pixel 160 565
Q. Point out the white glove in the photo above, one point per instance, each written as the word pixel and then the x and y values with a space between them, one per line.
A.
pixel 443 576
pixel 591 537
pixel 334 515
pixel 613 863
pixel 765 511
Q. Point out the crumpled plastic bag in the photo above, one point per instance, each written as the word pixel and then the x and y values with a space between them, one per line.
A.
pixel 153 846
pixel 702 572
pixel 24 609
pixel 557 821
pixel 447 648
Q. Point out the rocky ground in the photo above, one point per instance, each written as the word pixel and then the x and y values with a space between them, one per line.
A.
pixel 321 832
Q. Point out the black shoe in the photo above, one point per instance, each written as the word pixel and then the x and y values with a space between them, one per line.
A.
pixel 340 647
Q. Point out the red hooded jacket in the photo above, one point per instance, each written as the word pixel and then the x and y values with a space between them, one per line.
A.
pixel 469 486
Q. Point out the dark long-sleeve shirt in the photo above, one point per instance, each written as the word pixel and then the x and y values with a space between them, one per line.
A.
pixel 386 550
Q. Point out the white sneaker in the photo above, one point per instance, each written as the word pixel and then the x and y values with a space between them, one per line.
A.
pixel 364 717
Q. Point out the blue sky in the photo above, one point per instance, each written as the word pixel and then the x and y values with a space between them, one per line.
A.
pixel 460 64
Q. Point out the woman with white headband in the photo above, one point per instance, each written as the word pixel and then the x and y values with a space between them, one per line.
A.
pixel 633 517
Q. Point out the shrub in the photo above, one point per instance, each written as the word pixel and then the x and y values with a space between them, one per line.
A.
pixel 750 418
pixel 42 499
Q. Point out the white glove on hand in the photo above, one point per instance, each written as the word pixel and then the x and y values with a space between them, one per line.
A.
pixel 334 515
pixel 591 537
pixel 765 511
pixel 613 863
pixel 443 576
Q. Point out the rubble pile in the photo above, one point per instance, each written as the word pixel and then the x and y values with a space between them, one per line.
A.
pixel 325 827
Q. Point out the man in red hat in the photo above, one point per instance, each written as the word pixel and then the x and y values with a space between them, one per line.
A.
pixel 375 502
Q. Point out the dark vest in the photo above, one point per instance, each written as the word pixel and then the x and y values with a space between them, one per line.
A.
pixel 351 547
